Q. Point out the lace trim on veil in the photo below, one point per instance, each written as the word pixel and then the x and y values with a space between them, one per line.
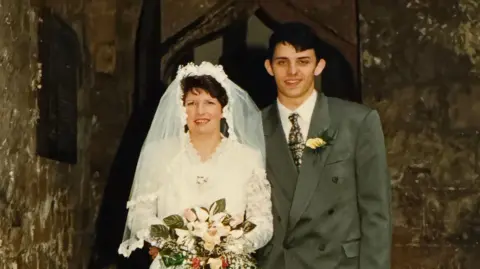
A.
pixel 127 247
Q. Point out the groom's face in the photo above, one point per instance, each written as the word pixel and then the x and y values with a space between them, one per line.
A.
pixel 294 71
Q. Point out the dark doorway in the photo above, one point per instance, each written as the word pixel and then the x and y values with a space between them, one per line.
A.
pixel 148 90
pixel 244 64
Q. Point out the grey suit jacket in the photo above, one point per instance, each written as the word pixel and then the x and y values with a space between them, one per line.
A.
pixel 335 212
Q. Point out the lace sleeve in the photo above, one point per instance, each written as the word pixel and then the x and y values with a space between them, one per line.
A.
pixel 259 209
pixel 141 216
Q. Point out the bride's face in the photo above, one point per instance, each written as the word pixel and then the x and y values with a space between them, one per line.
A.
pixel 204 112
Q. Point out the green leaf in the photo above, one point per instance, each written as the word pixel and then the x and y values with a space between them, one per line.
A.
pixel 173 260
pixel 248 226
pixel 194 211
pixel 159 231
pixel 218 207
pixel 174 222
pixel 226 220
pixel 173 234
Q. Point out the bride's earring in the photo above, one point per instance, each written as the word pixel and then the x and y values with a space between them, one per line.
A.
pixel 185 128
pixel 224 127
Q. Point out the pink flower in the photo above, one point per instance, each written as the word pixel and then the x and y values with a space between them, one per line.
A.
pixel 211 239
pixel 190 215
pixel 212 231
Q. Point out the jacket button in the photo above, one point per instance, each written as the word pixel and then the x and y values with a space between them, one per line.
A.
pixel 335 180
pixel 331 211
pixel 322 247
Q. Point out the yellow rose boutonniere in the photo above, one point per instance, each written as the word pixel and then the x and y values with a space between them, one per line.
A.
pixel 320 142
pixel 315 143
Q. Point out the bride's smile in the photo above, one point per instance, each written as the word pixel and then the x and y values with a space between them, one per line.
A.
pixel 201 121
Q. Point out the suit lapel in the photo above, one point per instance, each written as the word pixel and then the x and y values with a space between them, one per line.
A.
pixel 279 161
pixel 312 163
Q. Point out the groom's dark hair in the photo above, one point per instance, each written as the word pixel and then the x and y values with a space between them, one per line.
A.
pixel 297 34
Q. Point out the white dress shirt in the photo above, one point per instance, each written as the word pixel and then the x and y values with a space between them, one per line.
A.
pixel 304 111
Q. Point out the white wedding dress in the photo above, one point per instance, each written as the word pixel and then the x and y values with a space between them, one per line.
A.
pixel 234 172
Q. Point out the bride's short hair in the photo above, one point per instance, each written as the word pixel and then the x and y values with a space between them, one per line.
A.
pixel 206 83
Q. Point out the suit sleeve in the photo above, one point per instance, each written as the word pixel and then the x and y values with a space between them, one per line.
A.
pixel 373 194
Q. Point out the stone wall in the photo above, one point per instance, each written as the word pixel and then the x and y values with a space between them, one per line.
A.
pixel 48 209
pixel 37 223
pixel 421 71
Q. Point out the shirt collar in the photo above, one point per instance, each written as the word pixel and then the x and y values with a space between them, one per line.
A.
pixel 305 110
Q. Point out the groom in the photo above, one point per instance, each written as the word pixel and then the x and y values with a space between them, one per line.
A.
pixel 331 195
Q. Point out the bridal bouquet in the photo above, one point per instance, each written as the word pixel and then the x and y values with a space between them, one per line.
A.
pixel 204 238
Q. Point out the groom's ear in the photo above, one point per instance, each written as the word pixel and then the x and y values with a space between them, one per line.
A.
pixel 320 66
pixel 268 66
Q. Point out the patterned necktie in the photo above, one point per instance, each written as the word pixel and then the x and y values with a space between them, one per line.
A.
pixel 295 140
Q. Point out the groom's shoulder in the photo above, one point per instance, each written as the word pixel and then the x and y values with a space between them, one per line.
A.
pixel 347 109
pixel 267 110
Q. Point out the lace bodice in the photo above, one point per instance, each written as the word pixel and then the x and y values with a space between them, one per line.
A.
pixel 234 172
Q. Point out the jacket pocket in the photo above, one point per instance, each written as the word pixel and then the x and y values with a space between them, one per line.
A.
pixel 337 158
pixel 351 249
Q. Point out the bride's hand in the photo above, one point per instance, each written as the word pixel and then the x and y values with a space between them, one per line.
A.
pixel 153 251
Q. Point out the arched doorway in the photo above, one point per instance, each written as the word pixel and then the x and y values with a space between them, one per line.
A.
pixel 241 48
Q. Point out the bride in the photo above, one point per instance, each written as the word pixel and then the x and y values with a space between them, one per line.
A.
pixel 205 143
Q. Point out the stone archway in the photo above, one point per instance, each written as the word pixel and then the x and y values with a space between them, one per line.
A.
pixel 225 30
